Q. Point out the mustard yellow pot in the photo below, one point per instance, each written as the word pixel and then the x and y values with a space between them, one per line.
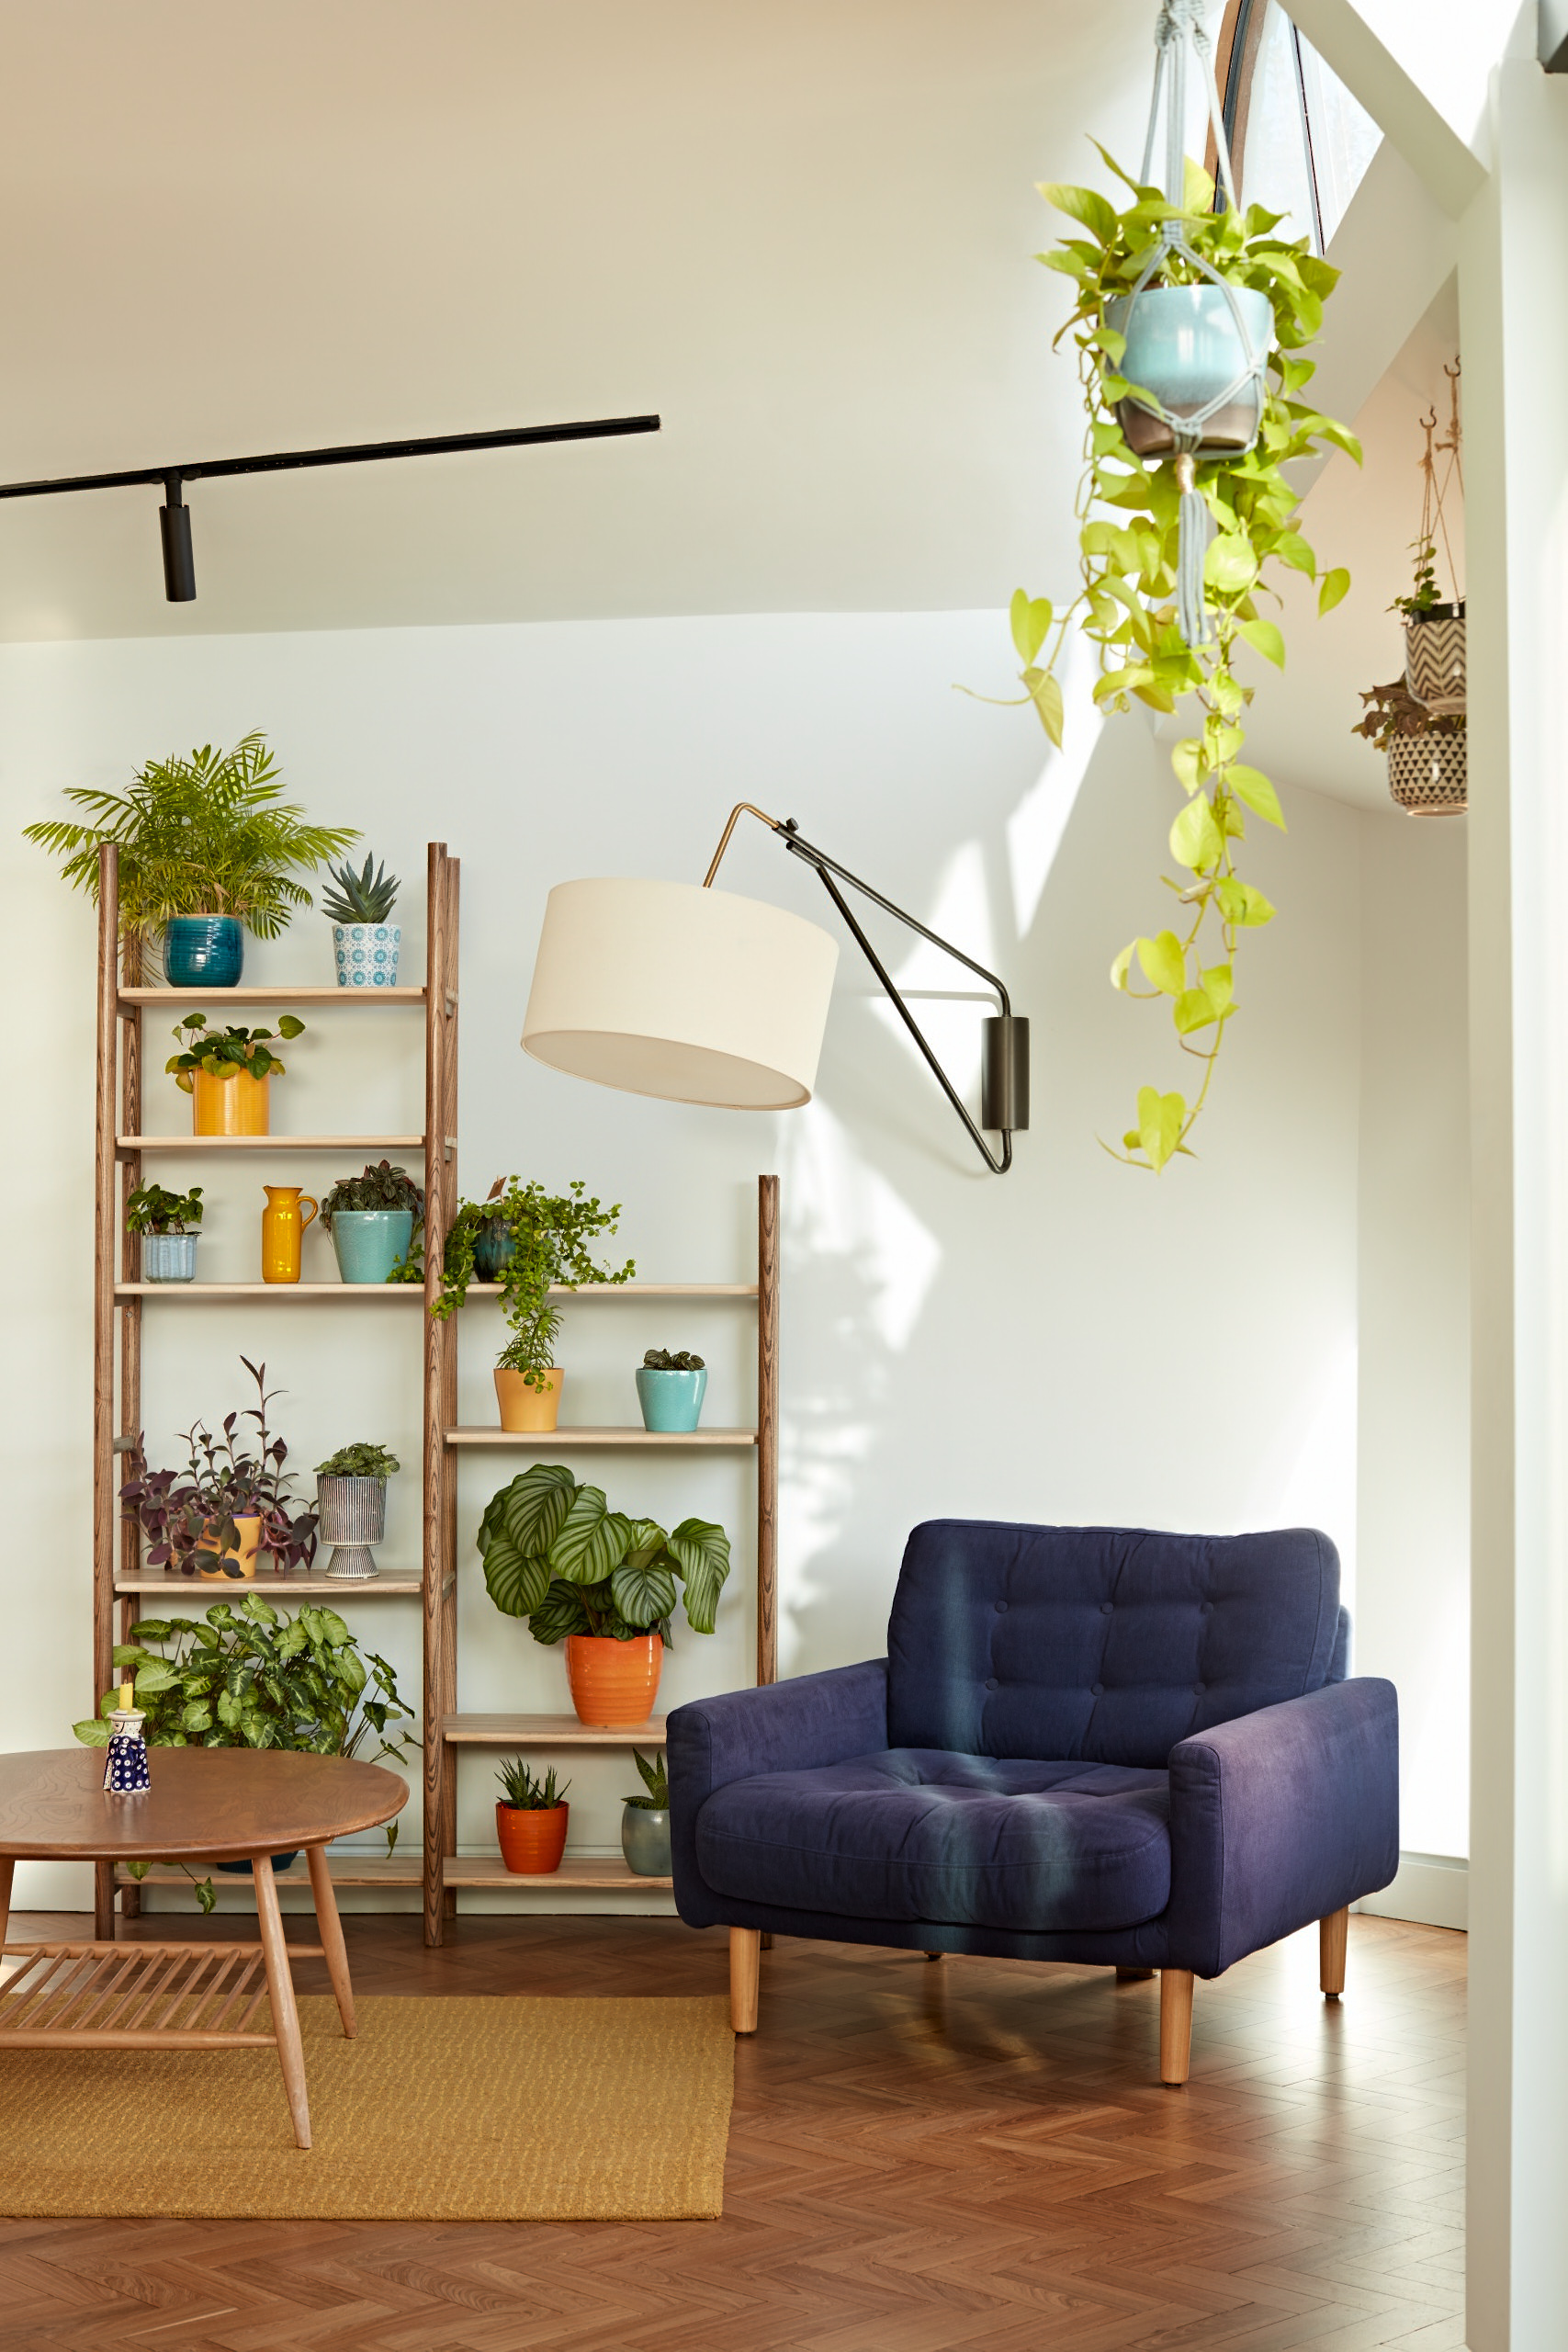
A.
pixel 283 1230
pixel 235 1104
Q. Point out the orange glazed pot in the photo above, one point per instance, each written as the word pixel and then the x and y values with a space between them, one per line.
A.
pixel 229 1106
pixel 523 1408
pixel 532 1843
pixel 614 1683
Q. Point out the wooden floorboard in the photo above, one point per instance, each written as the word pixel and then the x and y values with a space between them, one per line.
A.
pixel 924 2157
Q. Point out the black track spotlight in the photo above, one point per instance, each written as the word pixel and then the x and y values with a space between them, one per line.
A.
pixel 179 562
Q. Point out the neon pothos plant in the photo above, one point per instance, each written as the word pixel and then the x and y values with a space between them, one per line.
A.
pixel 1127 509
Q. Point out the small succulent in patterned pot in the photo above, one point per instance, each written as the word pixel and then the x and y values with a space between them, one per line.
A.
pixel 364 944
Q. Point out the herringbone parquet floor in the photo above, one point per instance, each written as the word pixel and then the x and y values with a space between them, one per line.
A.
pixel 923 2157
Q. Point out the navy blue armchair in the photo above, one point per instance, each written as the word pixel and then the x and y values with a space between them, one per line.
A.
pixel 1085 1744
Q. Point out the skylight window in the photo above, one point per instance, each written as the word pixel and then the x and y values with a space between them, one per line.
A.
pixel 1300 142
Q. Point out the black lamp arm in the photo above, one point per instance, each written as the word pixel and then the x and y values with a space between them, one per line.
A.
pixel 1005 1087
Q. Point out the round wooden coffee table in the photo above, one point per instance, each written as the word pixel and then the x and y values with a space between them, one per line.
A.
pixel 204 1804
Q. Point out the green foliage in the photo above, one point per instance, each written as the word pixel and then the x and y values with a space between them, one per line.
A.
pixel 359 1461
pixel 204 835
pixel 554 1553
pixel 1128 512
pixel 152 1209
pixel 223 1052
pixel 187 1516
pixel 539 1238
pixel 382 1186
pixel 360 898
pixel 661 1359
pixel 655 1780
pixel 526 1794
pixel 1424 594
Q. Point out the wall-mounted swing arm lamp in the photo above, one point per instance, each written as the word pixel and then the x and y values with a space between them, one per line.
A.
pixel 695 995
pixel 173 516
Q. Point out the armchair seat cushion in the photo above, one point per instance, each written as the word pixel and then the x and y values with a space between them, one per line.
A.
pixel 926 1834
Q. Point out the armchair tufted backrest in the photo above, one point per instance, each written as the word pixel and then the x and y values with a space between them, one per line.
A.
pixel 1108 1644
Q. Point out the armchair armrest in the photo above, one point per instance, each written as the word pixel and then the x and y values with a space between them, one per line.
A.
pixel 814 1720
pixel 1281 1817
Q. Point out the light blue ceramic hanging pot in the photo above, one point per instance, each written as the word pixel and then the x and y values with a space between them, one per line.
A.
pixel 1184 345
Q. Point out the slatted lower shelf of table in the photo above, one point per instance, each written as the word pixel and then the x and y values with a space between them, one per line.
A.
pixel 127 1996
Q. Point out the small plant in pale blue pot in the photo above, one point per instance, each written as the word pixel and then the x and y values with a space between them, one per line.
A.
pixel 166 1226
pixel 670 1389
pixel 371 1219
pixel 203 951
pixel 364 944
pixel 645 1824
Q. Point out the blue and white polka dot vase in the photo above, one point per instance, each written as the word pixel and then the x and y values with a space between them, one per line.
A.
pixel 125 1772
pixel 365 953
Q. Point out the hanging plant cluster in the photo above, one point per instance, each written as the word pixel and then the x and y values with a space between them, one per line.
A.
pixel 1191 325
pixel 1420 721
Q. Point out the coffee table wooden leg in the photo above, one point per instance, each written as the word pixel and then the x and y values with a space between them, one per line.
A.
pixel 6 1867
pixel 331 1927
pixel 280 1991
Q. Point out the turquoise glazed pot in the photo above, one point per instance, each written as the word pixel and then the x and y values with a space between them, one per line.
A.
pixel 493 1247
pixel 671 1400
pixel 369 1242
pixel 365 953
pixel 645 1838
pixel 1184 347
pixel 203 951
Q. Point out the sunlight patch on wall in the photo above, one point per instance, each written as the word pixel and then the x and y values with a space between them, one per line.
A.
pixel 1035 829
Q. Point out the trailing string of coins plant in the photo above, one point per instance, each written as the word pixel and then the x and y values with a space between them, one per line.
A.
pixel 1126 604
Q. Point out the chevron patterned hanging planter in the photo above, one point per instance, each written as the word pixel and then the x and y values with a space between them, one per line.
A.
pixel 1434 658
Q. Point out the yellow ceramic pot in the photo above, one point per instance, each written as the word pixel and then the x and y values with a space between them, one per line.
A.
pixel 523 1408
pixel 282 1230
pixel 218 1563
pixel 234 1105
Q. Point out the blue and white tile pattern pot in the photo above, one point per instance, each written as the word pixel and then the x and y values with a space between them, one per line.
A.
pixel 365 953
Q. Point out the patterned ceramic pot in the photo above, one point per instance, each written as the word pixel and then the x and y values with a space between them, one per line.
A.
pixel 370 1242
pixel 645 1841
pixel 1427 774
pixel 353 1511
pixel 1435 658
pixel 203 951
pixel 169 1257
pixel 365 953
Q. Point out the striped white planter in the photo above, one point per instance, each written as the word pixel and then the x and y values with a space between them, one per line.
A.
pixel 352 1515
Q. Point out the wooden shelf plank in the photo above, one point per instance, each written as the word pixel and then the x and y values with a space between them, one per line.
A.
pixel 548 1731
pixel 269 1143
pixel 347 1870
pixel 291 1586
pixel 202 998
pixel 576 1870
pixel 631 1290
pixel 566 1440
pixel 271 1290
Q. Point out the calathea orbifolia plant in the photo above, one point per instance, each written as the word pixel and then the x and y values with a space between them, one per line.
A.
pixel 554 1553
pixel 1129 515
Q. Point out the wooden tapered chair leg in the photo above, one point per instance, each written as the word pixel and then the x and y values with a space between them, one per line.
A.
pixel 745 1972
pixel 1175 2027
pixel 1332 1935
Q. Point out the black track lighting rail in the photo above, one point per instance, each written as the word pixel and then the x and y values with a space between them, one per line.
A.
pixel 179 571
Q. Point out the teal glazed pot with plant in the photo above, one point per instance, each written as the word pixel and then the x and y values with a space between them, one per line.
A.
pixel 203 951
pixel 671 1388
pixel 370 1242
pixel 1185 347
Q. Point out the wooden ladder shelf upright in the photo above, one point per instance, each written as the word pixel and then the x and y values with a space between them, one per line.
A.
pixel 121 1580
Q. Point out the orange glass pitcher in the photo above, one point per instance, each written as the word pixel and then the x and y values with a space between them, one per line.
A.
pixel 282 1230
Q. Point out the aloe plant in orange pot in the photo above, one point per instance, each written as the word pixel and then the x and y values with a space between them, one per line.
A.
pixel 530 1820
pixel 605 1585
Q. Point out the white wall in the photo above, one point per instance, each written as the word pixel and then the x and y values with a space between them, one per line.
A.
pixel 1414 1446
pixel 1076 1341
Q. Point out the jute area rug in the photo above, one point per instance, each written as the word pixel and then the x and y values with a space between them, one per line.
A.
pixel 442 2111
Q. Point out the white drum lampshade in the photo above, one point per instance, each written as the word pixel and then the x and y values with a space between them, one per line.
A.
pixel 673 989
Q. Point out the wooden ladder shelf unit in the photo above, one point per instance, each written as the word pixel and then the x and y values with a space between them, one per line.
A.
pixel 118 1576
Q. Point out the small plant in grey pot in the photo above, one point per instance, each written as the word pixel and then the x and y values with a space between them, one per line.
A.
pixel 669 1389
pixel 167 1225
pixel 351 1506
pixel 645 1824
pixel 364 944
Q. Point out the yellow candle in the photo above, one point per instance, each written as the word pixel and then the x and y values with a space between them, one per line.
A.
pixel 127 1694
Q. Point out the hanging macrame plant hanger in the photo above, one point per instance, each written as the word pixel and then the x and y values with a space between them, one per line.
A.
pixel 1182 45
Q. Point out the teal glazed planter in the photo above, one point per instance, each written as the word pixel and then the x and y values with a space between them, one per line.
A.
pixel 671 1402
pixel 645 1841
pixel 203 951
pixel 1183 345
pixel 370 1242
pixel 493 1247
pixel 169 1257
